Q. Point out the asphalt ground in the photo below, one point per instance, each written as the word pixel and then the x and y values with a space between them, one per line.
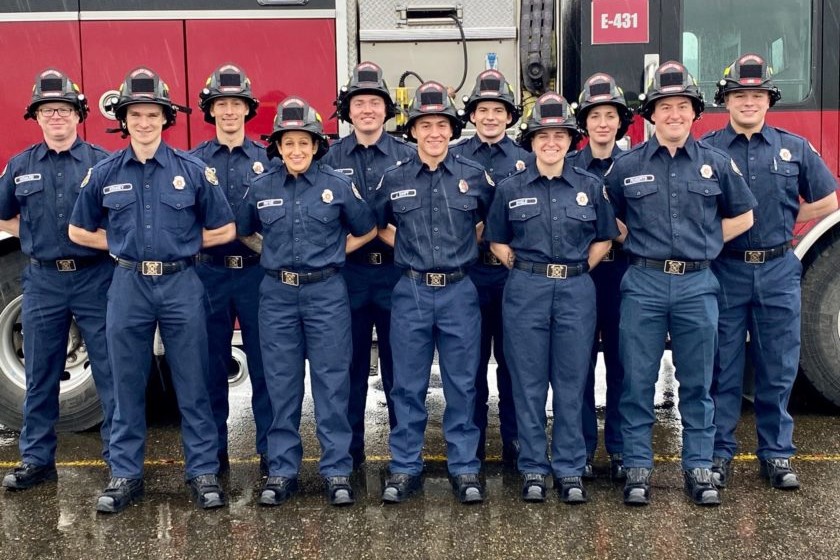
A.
pixel 57 520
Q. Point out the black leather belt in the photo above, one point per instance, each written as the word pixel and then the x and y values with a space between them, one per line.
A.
pixel 558 271
pixel 488 258
pixel 155 268
pixel 616 251
pixel 670 266
pixel 296 278
pixel 371 258
pixel 229 261
pixel 757 256
pixel 69 264
pixel 435 279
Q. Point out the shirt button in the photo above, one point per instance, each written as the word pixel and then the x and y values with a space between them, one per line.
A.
pixel 297 202
pixel 402 207
pixel 178 205
pixel 434 229
pixel 674 214
pixel 435 209
pixel 434 190
pixel 148 227
pixel 25 191
pixel 523 216
pixel 60 195
pixel 673 174
pixel 60 174
pixel 706 191
pixel 638 193
pixel 553 200
pixel 297 239
pixel 297 221
pixel 297 258
pixel 752 177
pixel 437 248
pixel 583 216
pixel 557 238
pixel 554 218
pixel 115 205
pixel 61 215
pixel 673 195
pixel 148 207
pixel 752 158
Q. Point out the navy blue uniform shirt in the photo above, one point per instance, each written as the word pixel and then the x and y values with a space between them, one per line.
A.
pixel 584 160
pixel 673 206
pixel 304 221
pixel 551 220
pixel 235 169
pixel 435 212
pixel 42 186
pixel 779 167
pixel 152 211
pixel 500 160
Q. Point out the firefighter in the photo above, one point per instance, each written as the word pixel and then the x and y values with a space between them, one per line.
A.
pixel 759 274
pixel 604 117
pixel 550 225
pixel 369 272
pixel 231 273
pixel 303 212
pixel 427 208
pixel 63 280
pixel 680 199
pixel 159 206
pixel 492 109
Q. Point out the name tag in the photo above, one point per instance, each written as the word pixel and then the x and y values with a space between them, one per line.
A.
pixel 403 194
pixel 269 203
pixel 346 170
pixel 639 179
pixel 521 202
pixel 26 178
pixel 123 187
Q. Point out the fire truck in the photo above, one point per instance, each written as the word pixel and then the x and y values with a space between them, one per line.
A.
pixel 308 47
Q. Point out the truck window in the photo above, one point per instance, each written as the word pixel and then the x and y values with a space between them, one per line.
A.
pixel 716 32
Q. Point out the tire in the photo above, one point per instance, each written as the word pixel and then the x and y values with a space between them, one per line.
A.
pixel 79 407
pixel 820 358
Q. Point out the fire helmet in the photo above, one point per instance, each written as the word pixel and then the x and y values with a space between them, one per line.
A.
pixel 143 85
pixel 748 72
pixel 601 89
pixel 671 79
pixel 55 85
pixel 491 85
pixel 295 113
pixel 228 80
pixel 366 79
pixel 550 111
pixel 431 98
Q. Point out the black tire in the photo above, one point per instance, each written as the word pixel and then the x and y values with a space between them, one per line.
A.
pixel 820 359
pixel 79 407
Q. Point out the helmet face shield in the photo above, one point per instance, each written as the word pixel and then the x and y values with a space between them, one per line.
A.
pixel 550 111
pixel 491 85
pixel 295 113
pixel 601 89
pixel 431 98
pixel 672 79
pixel 54 85
pixel 749 72
pixel 227 80
pixel 366 79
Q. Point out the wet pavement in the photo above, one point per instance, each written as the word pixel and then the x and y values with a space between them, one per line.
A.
pixel 58 520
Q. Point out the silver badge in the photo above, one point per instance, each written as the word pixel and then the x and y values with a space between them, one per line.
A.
pixel 463 186
pixel 784 153
pixel 582 199
pixel 327 196
pixel 706 171
pixel 179 183
pixel 258 167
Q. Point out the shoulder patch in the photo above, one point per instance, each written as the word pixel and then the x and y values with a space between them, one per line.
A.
pixel 610 168
pixel 734 167
pixel 4 170
pixel 210 175
pixel 813 149
pixel 356 192
pixel 86 180
pixel 489 179
pixel 605 193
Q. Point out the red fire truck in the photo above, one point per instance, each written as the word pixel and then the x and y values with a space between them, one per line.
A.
pixel 307 47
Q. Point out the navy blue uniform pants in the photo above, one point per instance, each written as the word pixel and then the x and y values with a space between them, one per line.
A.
pixel 369 288
pixel 492 341
pixel 233 294
pixel 424 318
pixel 549 325
pixel 311 322
pixel 607 277
pixel 51 299
pixel 174 303
pixel 653 304
pixel 764 301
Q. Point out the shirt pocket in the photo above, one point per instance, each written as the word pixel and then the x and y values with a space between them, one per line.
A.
pixel 120 205
pixel 31 199
pixel 269 215
pixel 786 181
pixel 405 204
pixel 527 229
pixel 580 225
pixel 178 211
pixel 703 201
pixel 323 225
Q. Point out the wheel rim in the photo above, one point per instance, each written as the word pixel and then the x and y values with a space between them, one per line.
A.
pixel 76 367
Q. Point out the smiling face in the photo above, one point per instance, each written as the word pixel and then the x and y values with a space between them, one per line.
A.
pixel 747 108
pixel 58 121
pixel 367 112
pixel 672 118
pixel 550 145
pixel 297 148
pixel 230 113
pixel 145 123
pixel 433 133
pixel 491 119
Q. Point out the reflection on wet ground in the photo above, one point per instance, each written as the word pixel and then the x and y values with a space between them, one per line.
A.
pixel 58 520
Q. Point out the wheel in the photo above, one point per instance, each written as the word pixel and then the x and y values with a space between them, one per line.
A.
pixel 820 359
pixel 79 407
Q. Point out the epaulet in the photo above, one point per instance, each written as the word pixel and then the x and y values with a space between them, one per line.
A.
pixel 468 162
pixel 709 135
pixel 257 144
pixel 110 158
pixel 200 147
pixel 706 146
pixel 587 174
pixel 513 175
pixel 99 149
pixel 188 156
pixel 459 145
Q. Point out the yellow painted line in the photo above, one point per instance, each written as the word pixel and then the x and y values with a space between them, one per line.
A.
pixel 811 458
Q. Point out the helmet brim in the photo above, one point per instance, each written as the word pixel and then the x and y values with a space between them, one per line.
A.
pixel 456 123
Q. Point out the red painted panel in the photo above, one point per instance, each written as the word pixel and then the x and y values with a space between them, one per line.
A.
pixel 29 47
pixel 112 48
pixel 620 22
pixel 281 57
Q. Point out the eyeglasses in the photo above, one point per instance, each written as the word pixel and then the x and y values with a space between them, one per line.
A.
pixel 47 112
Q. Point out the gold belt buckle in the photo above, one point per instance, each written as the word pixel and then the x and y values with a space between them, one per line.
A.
pixel 491 259
pixel 65 265
pixel 754 257
pixel 556 271
pixel 610 256
pixel 290 278
pixel 233 261
pixel 436 279
pixel 152 268
pixel 674 267
pixel 374 258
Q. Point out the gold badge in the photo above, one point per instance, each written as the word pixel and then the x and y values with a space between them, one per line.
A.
pixel 582 199
pixel 735 168
pixel 356 192
pixel 706 171
pixel 463 186
pixel 327 196
pixel 784 153
pixel 85 181
pixel 179 183
pixel 489 179
pixel 210 175
pixel 258 167
pixel 520 165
